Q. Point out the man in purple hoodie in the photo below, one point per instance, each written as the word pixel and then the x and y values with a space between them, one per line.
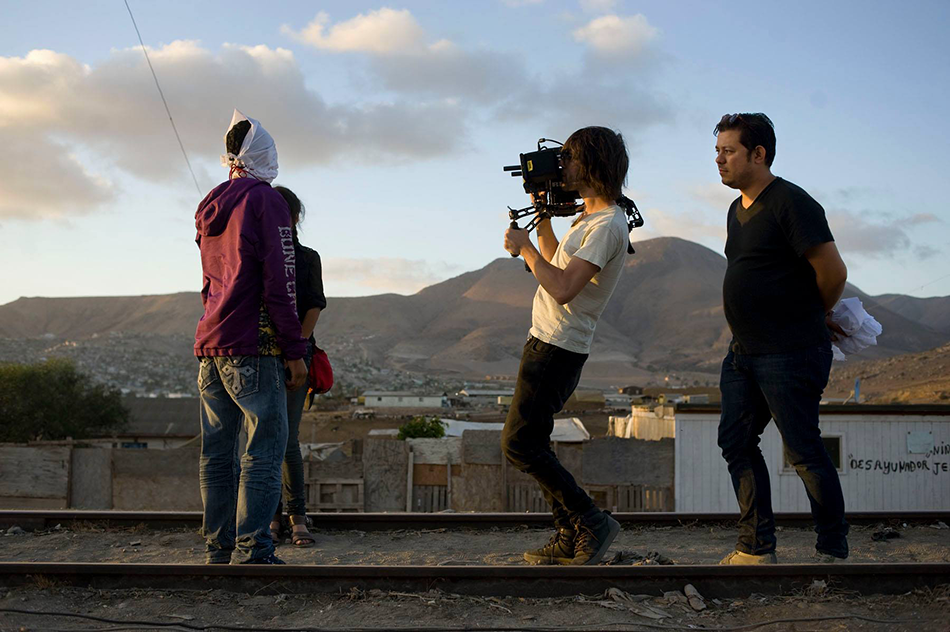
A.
pixel 248 335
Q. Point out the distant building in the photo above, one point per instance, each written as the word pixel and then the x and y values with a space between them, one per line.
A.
pixel 644 423
pixel 156 423
pixel 631 390
pixel 585 400
pixel 403 399
pixel 485 397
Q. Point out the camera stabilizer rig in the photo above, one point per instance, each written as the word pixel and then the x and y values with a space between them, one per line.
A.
pixel 543 172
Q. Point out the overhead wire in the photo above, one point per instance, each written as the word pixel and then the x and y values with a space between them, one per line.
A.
pixel 162 95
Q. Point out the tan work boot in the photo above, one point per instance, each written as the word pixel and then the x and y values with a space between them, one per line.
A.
pixel 738 558
pixel 826 558
pixel 559 550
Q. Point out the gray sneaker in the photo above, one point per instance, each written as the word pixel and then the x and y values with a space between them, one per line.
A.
pixel 558 550
pixel 594 538
pixel 738 558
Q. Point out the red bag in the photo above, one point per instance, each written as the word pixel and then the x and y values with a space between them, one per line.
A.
pixel 320 375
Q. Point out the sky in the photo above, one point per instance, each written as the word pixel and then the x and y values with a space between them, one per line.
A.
pixel 393 123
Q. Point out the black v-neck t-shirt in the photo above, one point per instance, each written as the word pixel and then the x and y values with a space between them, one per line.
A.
pixel 769 294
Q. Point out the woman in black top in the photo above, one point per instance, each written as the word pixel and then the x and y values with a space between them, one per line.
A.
pixel 310 302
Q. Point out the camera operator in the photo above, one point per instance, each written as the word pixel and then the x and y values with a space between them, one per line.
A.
pixel 577 276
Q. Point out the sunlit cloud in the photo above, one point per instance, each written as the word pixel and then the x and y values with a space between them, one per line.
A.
pixel 382 31
pixel 617 35
pixel 52 107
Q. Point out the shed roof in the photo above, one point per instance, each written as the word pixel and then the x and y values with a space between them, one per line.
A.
pixel 162 417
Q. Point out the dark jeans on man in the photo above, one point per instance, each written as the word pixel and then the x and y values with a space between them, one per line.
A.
pixel 785 387
pixel 547 377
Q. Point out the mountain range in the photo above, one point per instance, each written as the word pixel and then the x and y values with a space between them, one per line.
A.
pixel 665 317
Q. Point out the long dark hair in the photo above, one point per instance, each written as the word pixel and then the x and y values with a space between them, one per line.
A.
pixel 297 210
pixel 602 159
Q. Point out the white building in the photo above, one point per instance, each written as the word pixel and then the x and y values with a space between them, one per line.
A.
pixel 889 458
pixel 648 424
pixel 383 399
pixel 484 397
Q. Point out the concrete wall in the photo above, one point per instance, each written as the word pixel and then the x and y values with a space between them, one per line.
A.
pixel 156 480
pixel 613 461
pixel 92 478
pixel 34 477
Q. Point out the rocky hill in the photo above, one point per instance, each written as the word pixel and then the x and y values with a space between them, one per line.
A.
pixel 665 318
pixel 911 378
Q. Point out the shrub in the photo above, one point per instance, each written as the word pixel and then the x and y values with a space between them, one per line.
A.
pixel 52 400
pixel 420 426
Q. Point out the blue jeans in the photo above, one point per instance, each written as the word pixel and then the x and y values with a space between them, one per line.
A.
pixel 785 387
pixel 546 378
pixel 239 500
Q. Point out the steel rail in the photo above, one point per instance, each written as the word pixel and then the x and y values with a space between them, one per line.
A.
pixel 48 518
pixel 520 581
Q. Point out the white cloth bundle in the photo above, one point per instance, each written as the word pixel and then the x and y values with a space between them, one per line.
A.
pixel 258 155
pixel 861 328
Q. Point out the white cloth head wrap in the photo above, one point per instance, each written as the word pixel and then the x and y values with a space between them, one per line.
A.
pixel 258 155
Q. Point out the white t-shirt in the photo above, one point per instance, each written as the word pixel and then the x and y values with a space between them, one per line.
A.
pixel 600 238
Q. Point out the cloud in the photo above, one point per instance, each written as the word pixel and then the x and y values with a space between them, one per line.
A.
pixel 521 3
pixel 499 84
pixel 866 235
pixel 42 180
pixel 921 218
pixel 382 31
pixel 53 108
pixel 925 252
pixel 613 35
pixel 387 274
pixel 598 6
pixel 714 195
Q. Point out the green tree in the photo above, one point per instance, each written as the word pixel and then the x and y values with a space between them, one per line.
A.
pixel 419 426
pixel 52 400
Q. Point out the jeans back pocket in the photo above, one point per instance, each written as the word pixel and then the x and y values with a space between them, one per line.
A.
pixel 207 373
pixel 241 375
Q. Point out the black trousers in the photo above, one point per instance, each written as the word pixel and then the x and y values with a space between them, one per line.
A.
pixel 785 387
pixel 546 378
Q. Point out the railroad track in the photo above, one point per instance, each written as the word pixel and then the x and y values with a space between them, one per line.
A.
pixel 527 581
pixel 519 581
pixel 48 518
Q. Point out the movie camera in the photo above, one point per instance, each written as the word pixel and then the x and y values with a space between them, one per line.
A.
pixel 543 172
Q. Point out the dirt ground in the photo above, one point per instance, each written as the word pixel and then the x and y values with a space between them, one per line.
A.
pixel 683 545
pixel 818 609
pixel 917 611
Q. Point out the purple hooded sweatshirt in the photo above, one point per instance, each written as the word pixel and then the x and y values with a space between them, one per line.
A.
pixel 247 260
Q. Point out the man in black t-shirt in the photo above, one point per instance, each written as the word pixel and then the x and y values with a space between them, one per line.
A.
pixel 784 275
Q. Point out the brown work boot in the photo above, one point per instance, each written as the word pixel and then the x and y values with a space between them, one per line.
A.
pixel 594 536
pixel 738 558
pixel 558 550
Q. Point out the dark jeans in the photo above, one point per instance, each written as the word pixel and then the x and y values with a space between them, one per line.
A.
pixel 785 387
pixel 547 377
pixel 294 489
